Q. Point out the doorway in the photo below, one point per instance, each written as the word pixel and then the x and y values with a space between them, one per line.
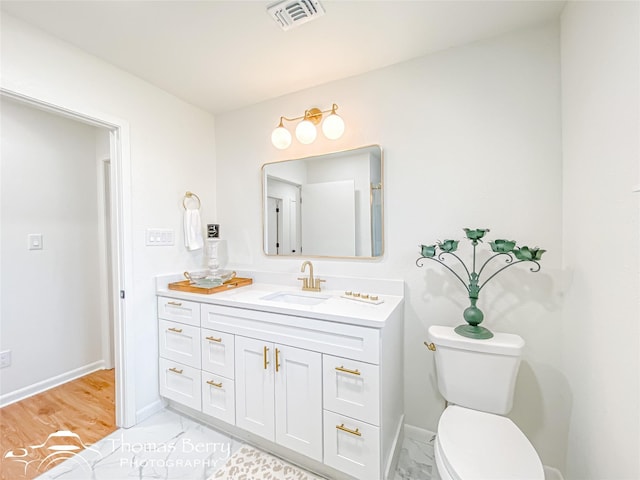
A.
pixel 283 234
pixel 114 181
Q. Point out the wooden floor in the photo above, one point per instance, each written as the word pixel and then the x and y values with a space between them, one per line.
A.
pixel 84 408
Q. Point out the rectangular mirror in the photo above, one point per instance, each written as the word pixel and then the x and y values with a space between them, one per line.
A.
pixel 324 206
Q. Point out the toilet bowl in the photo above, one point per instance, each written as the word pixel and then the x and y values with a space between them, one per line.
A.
pixel 473 445
pixel 474 440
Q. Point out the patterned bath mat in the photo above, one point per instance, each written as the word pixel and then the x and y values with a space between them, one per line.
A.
pixel 249 463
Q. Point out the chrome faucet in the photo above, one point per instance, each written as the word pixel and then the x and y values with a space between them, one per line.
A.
pixel 309 284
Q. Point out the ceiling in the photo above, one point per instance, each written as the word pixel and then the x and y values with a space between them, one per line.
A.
pixel 224 55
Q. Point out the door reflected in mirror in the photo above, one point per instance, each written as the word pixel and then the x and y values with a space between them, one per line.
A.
pixel 325 206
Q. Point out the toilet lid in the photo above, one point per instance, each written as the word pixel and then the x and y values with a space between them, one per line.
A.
pixel 483 446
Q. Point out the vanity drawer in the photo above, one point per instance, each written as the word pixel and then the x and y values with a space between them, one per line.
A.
pixel 179 311
pixel 218 352
pixel 179 342
pixel 218 397
pixel 351 446
pixel 180 383
pixel 351 388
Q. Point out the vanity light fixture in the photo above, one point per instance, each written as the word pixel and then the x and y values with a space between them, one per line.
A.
pixel 306 133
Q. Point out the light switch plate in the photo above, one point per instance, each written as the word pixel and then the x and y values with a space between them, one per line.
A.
pixel 159 237
pixel 34 241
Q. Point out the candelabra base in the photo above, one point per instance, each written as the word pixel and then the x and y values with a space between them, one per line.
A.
pixel 473 331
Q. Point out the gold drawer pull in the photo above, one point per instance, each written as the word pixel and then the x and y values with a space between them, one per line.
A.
pixel 214 339
pixel 352 432
pixel 177 330
pixel 175 370
pixel 277 360
pixel 264 353
pixel 175 304
pixel 346 370
pixel 214 384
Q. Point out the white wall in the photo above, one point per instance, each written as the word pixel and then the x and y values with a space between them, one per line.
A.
pixel 172 151
pixel 50 297
pixel 601 241
pixel 471 138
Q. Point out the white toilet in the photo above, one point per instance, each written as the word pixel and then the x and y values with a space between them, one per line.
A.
pixel 477 378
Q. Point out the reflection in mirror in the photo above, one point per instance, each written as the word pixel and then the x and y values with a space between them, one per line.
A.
pixel 324 206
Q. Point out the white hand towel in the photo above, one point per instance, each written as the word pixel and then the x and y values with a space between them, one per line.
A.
pixel 192 229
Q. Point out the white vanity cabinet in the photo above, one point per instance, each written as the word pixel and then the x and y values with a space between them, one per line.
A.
pixel 327 393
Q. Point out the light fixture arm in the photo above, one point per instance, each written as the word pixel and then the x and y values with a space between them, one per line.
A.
pixel 313 114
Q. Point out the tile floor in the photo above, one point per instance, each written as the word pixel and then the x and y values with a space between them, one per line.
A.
pixel 171 446
pixel 416 455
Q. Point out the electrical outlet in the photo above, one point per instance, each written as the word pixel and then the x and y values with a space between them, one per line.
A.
pixel 5 358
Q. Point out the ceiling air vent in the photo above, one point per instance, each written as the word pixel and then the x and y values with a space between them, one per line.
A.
pixel 291 13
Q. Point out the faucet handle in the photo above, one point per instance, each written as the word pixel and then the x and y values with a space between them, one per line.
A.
pixel 305 282
pixel 317 283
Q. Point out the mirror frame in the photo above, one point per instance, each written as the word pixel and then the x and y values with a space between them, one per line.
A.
pixel 263 181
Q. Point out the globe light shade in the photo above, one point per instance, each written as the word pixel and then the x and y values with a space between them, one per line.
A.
pixel 306 132
pixel 333 127
pixel 281 138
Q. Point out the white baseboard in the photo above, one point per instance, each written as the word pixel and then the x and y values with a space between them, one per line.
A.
pixel 31 390
pixel 150 409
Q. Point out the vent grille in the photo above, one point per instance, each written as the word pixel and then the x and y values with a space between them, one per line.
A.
pixel 291 13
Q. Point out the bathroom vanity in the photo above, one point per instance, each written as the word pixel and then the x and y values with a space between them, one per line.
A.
pixel 313 377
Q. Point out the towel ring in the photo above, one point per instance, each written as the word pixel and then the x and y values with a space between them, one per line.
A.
pixel 190 195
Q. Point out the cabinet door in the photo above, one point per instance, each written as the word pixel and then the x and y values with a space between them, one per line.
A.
pixel 254 386
pixel 218 397
pixel 298 400
pixel 217 352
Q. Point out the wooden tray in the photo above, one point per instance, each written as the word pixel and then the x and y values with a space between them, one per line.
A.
pixel 185 286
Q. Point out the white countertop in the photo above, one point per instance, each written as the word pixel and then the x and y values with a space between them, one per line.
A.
pixel 335 308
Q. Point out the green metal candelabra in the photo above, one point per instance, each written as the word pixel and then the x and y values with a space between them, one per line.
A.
pixel 501 248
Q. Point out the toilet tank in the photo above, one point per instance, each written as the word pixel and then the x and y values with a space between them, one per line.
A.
pixel 477 374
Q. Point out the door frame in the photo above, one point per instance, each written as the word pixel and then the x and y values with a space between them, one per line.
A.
pixel 121 240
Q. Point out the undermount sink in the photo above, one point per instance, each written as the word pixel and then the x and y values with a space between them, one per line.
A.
pixel 296 298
